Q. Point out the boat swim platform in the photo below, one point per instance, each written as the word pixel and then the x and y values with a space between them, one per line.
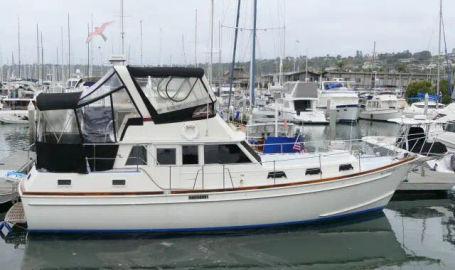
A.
pixel 16 214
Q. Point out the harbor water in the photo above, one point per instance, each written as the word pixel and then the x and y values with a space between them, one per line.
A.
pixel 408 234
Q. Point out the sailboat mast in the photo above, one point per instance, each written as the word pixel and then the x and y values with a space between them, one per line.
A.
pixel 69 48
pixel 122 33
pixel 88 50
pixel 231 72
pixel 253 57
pixel 37 53
pixel 140 25
pixel 195 38
pixel 42 59
pixel 211 43
pixel 19 44
pixel 438 80
pixel 63 67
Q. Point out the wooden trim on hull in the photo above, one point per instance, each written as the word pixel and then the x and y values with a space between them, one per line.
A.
pixel 331 179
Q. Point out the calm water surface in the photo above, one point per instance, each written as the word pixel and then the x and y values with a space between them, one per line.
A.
pixel 406 235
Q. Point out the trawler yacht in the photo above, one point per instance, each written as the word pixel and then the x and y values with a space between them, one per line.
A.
pixel 380 106
pixel 144 150
pixel 342 97
pixel 299 104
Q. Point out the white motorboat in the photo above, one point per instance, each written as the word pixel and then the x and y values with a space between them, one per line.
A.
pixel 116 159
pixel 432 110
pixel 299 104
pixel 341 96
pixel 15 107
pixel 447 137
pixel 380 106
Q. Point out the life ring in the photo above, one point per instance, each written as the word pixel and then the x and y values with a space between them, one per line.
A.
pixel 190 131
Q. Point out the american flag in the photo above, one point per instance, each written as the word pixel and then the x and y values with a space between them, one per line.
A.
pixel 298 145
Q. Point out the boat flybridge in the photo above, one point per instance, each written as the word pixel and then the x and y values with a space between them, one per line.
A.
pixel 144 150
pixel 299 104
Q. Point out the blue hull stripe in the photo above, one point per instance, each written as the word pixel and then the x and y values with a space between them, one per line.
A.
pixel 211 229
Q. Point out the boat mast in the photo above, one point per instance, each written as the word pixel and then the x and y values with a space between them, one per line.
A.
pixel 63 67
pixel 438 80
pixel 280 77
pixel 122 33
pixel 140 25
pixel 211 43
pixel 231 72
pixel 19 44
pixel 195 37
pixel 253 57
pixel 88 51
pixel 69 47
pixel 37 53
pixel 42 59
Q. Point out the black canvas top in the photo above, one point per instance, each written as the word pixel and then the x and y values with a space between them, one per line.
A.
pixel 166 72
pixel 57 101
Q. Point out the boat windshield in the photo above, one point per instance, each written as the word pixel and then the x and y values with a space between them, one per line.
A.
pixel 333 85
pixel 173 93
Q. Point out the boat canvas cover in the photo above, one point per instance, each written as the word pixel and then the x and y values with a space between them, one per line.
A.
pixel 305 90
pixel 57 101
pixel 172 89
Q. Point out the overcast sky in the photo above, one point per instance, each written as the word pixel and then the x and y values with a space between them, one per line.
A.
pixel 313 27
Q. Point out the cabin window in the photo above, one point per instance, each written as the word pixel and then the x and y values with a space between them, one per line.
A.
pixel 166 156
pixel 138 156
pixel 345 167
pixel 224 154
pixel 313 171
pixel 251 151
pixel 190 155
pixel 124 111
pixel 302 105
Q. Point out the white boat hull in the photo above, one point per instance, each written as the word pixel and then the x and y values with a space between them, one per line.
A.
pixel 14 116
pixel 347 113
pixel 380 115
pixel 213 210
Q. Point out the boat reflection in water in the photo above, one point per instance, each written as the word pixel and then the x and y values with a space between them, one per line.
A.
pixel 360 243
